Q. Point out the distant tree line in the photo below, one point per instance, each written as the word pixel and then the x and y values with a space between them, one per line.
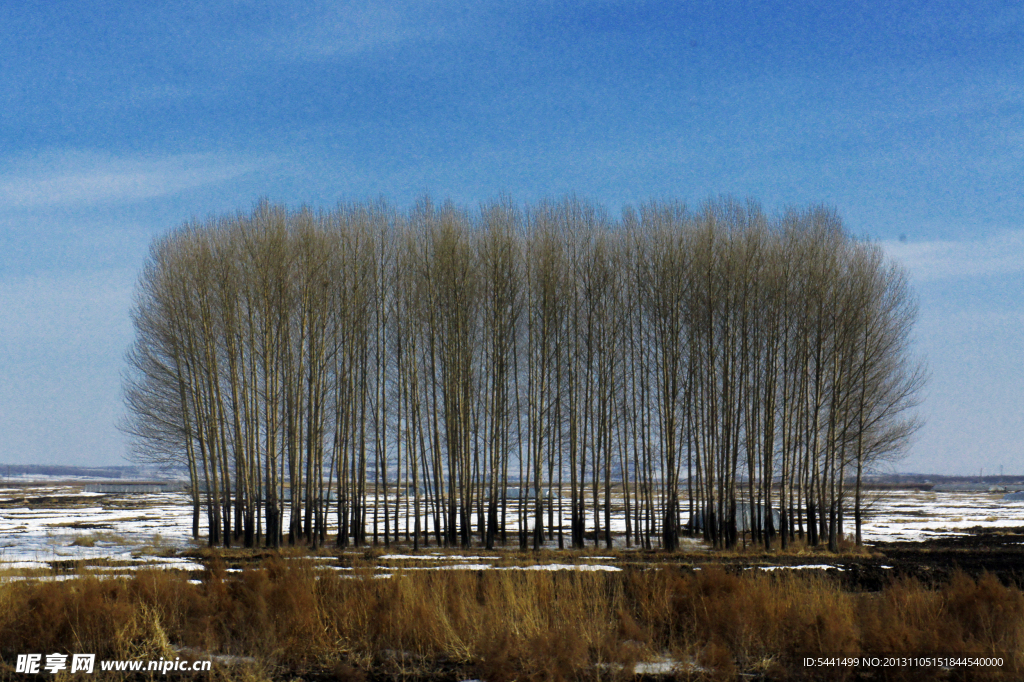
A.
pixel 400 369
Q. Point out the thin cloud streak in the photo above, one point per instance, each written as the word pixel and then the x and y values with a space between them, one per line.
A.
pixel 79 179
pixel 354 28
pixel 1000 254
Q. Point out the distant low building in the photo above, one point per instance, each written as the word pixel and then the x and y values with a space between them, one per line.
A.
pixel 968 488
pixel 528 493
pixel 135 487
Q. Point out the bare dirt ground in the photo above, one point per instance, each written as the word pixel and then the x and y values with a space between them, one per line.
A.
pixel 999 551
pixel 932 562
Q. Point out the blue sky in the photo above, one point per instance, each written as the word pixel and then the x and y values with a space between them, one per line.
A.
pixel 120 120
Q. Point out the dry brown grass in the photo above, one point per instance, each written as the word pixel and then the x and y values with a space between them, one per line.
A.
pixel 292 616
pixel 90 539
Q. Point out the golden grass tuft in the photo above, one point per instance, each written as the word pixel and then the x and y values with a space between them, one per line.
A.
pixel 90 539
pixel 294 617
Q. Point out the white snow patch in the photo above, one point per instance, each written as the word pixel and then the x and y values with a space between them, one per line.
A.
pixel 452 567
pixel 433 557
pixel 566 567
pixel 24 564
pixel 659 666
pixel 798 567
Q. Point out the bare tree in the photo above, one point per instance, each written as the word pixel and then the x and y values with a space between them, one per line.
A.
pixel 411 363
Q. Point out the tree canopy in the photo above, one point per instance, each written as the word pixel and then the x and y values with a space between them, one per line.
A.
pixel 447 374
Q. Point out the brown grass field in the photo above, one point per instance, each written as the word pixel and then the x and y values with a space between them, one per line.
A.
pixel 288 618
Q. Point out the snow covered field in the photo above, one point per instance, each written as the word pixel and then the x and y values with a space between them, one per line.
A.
pixel 49 527
pixel 913 515
pixel 45 524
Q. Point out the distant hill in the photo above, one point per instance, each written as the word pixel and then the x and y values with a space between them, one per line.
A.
pixel 928 481
pixel 58 470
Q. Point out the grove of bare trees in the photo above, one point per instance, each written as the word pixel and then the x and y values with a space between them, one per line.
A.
pixel 531 375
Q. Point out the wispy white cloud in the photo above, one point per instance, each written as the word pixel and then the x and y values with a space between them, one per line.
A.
pixel 74 179
pixel 354 31
pixel 354 27
pixel 346 30
pixel 1000 254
